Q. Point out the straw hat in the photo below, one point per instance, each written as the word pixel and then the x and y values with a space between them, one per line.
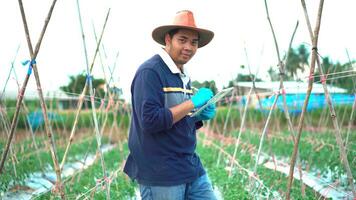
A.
pixel 183 19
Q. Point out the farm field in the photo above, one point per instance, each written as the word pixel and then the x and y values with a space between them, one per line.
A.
pixel 318 154
pixel 278 113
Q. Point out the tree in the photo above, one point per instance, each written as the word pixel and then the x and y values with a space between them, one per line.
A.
pixel 243 78
pixel 337 75
pixel 207 84
pixel 273 74
pixel 77 83
pixel 303 55
pixel 296 60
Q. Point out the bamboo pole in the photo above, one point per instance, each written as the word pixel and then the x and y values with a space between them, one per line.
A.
pixel 242 125
pixel 306 101
pixel 342 151
pixel 281 68
pixel 91 92
pixel 228 114
pixel 5 123
pixel 241 168
pixel 243 119
pixel 26 110
pixel 281 87
pixel 225 125
pixel 264 131
pixel 8 77
pixel 253 79
pixel 324 117
pixel 33 137
pixel 22 91
pixel 59 186
pixel 108 94
pixel 353 108
pixel 3 114
pixel 82 95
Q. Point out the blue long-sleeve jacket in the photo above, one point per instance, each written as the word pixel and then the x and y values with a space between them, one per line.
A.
pixel 161 153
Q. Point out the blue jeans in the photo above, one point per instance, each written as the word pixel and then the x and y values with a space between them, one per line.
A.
pixel 197 190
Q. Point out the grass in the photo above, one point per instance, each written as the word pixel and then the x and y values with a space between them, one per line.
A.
pixel 82 183
pixel 29 159
pixel 235 187
pixel 316 150
pixel 123 188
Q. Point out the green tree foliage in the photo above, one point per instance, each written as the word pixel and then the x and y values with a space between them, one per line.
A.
pixel 243 78
pixel 273 74
pixel 338 74
pixel 207 84
pixel 296 60
pixel 77 83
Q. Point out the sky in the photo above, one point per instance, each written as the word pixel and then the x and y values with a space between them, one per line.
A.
pixel 242 37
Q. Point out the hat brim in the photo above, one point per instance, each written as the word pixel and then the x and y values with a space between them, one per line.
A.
pixel 205 36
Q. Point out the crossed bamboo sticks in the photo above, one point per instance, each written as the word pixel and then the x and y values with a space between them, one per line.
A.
pixel 33 66
pixel 315 59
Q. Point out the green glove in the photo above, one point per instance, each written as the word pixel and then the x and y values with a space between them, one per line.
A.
pixel 201 97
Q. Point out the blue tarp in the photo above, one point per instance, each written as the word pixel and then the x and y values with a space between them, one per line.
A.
pixel 316 101
pixel 36 118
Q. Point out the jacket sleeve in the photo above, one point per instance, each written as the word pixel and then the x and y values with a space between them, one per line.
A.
pixel 148 101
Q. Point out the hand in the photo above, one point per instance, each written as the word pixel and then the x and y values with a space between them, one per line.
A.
pixel 201 97
pixel 208 113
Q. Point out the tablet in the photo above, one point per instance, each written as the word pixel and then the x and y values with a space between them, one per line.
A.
pixel 214 99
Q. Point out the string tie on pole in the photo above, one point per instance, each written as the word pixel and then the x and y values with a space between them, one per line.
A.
pixel 30 64
pixel 102 104
pixel 283 91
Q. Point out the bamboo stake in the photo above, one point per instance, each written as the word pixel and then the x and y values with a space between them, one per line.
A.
pixel 8 77
pixel 353 108
pixel 22 91
pixel 228 114
pixel 337 132
pixel 48 127
pixel 113 68
pixel 242 125
pixel 281 87
pixel 82 95
pixel 108 94
pixel 225 125
pixel 3 113
pixel 30 128
pixel 33 137
pixel 6 127
pixel 324 117
pixel 310 87
pixel 281 68
pixel 253 79
pixel 241 168
pixel 264 132
pixel 114 124
pixel 91 92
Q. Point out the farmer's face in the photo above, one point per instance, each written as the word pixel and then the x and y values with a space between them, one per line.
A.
pixel 182 46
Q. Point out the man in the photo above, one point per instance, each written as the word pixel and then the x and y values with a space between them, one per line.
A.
pixel 162 138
